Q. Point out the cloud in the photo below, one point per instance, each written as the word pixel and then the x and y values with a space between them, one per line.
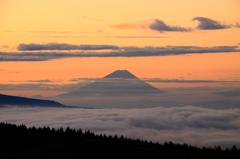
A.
pixel 63 46
pixel 40 81
pixel 210 96
pixel 108 36
pixel 204 23
pixel 135 37
pixel 156 80
pixel 230 92
pixel 45 85
pixel 209 24
pixel 31 86
pixel 161 26
pixel 74 83
pixel 185 124
pixel 172 50
pixel 51 32
pixel 130 26
pixel 84 79
pixel 4 46
pixel 93 51
pixel 156 25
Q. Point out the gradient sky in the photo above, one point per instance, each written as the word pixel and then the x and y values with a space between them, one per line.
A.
pixel 121 23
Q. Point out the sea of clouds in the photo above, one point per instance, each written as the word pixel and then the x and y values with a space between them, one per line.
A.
pixel 187 124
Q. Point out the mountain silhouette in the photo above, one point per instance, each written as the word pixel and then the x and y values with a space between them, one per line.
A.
pixel 120 82
pixel 119 89
pixel 8 100
pixel 124 74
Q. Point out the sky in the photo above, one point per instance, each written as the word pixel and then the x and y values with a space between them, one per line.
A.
pixel 146 37
pixel 189 49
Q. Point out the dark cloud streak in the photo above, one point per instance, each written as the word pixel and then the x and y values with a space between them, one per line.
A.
pixel 156 80
pixel 38 55
pixel 63 46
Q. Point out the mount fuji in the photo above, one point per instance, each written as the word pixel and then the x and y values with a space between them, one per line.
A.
pixel 120 82
pixel 117 89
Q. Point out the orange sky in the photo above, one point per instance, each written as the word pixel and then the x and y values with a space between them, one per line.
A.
pixel 208 66
pixel 92 22
pixel 80 21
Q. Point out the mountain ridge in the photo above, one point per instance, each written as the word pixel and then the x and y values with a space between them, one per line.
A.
pixel 10 100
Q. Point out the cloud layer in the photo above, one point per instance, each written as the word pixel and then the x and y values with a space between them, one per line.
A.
pixel 204 23
pixel 188 124
pixel 161 26
pixel 63 46
pixel 115 51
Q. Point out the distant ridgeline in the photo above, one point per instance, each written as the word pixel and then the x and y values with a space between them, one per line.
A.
pixel 8 100
pixel 23 143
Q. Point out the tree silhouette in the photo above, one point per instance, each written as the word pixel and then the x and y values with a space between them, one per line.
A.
pixel 22 142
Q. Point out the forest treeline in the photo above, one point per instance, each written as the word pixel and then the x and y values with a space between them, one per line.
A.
pixel 18 141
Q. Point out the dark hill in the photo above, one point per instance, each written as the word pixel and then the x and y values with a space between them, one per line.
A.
pixel 22 101
pixel 27 143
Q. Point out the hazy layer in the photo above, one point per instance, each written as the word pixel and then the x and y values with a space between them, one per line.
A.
pixel 193 125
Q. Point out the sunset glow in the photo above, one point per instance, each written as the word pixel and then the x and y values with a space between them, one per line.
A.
pixel 121 23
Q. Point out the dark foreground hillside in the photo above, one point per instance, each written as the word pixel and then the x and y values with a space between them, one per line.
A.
pixel 22 142
pixel 23 101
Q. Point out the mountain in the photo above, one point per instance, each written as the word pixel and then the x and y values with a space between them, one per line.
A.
pixel 120 82
pixel 119 89
pixel 22 101
pixel 124 74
